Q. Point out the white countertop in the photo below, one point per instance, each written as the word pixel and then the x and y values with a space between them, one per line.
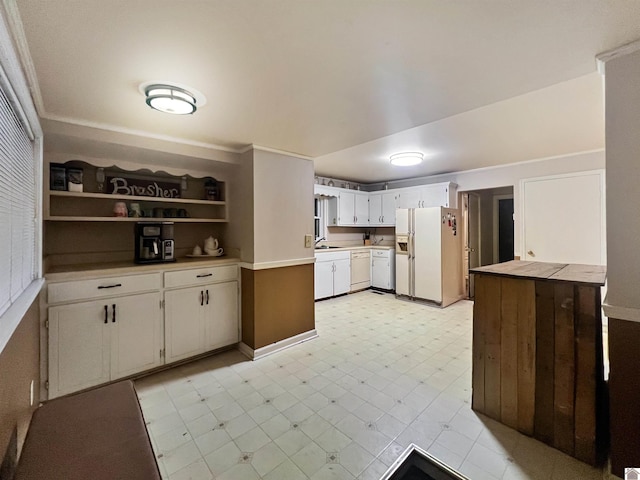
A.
pixel 354 247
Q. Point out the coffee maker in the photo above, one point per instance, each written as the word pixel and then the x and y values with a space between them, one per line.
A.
pixel 154 242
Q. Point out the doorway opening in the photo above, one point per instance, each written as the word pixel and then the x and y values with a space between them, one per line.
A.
pixel 488 230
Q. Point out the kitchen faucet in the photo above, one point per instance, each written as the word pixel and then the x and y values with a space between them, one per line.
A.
pixel 319 240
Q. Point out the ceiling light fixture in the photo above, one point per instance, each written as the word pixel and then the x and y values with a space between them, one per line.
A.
pixel 406 159
pixel 170 99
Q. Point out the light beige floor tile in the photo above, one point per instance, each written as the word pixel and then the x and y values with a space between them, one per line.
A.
pixel 287 470
pixel 332 472
pixel 355 458
pixel 173 439
pixel 310 459
pixel 223 458
pixel 180 457
pixel 212 441
pixel 252 440
pixel 242 471
pixel 196 471
pixel 267 458
pixel 292 441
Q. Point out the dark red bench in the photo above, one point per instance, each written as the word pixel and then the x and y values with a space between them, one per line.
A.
pixel 97 435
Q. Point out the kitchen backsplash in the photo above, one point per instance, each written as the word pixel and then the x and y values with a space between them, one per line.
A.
pixel 348 236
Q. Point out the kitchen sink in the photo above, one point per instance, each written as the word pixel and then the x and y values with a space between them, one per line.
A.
pixel 325 247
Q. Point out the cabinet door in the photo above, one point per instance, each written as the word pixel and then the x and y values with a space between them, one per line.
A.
pixel 409 198
pixel 221 318
pixel 434 196
pixel 346 208
pixel 136 338
pixel 184 323
pixel 78 347
pixel 362 208
pixel 375 209
pixel 323 280
pixel 388 208
pixel 341 276
pixel 380 273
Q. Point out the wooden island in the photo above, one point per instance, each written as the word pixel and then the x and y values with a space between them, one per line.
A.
pixel 537 353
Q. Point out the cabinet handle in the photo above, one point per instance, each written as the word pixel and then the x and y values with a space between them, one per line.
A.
pixel 203 275
pixel 201 298
pixel 110 286
pixel 207 297
pixel 113 319
pixel 106 314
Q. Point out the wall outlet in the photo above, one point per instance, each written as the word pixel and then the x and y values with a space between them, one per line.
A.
pixel 308 241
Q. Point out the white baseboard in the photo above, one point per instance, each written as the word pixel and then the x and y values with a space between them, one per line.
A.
pixel 277 346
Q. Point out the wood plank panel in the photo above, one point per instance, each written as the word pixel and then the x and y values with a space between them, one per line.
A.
pixel 509 352
pixel 492 347
pixel 545 341
pixel 564 374
pixel 479 322
pixel 576 273
pixel 526 355
pixel 585 403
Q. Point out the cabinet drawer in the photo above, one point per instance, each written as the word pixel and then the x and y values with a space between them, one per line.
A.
pixel 199 276
pixel 380 253
pixel 102 287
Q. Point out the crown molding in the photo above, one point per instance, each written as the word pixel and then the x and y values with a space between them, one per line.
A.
pixel 137 133
pixel 253 146
pixel 14 22
pixel 626 49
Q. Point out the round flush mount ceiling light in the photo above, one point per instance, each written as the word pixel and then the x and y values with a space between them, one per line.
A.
pixel 406 159
pixel 172 98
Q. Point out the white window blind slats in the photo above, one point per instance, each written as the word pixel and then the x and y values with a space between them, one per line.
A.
pixel 18 203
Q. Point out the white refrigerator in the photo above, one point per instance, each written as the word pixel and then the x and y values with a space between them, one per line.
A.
pixel 429 254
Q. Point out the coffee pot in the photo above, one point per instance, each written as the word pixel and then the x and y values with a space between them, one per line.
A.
pixel 211 247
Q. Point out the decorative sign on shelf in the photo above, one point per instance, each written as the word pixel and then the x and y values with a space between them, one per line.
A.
pixel 142 188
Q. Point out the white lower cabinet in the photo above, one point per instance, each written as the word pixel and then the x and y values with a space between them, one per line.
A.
pixel 332 274
pixel 199 319
pixel 107 328
pixel 383 269
pixel 97 341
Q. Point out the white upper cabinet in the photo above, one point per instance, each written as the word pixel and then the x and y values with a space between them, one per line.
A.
pixel 382 208
pixel 349 209
pixel 426 196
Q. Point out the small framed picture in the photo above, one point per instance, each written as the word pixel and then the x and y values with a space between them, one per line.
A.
pixel 74 179
pixel 57 177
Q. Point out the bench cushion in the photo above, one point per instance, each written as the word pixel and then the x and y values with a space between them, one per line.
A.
pixel 99 434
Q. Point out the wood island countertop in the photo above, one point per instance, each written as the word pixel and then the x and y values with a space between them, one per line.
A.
pixel 561 272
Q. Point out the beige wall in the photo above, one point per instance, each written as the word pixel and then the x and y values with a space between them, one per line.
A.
pixel 282 206
pixel 240 227
pixel 623 270
pixel 19 365
pixel 623 179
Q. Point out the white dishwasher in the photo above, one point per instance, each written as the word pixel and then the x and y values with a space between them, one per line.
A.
pixel 360 269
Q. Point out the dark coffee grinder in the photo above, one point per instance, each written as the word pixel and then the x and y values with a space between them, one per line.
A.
pixel 154 242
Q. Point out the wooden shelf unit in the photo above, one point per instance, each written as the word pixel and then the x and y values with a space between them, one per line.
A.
pixel 93 206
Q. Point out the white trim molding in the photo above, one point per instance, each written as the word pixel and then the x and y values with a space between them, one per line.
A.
pixel 604 57
pixel 277 346
pixel 274 150
pixel 278 264
pixel 630 314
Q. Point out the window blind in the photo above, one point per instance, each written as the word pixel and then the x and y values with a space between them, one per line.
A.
pixel 18 206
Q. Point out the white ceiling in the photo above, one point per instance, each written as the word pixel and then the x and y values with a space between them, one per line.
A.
pixel 473 83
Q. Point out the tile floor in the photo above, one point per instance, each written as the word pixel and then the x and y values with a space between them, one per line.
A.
pixel 383 373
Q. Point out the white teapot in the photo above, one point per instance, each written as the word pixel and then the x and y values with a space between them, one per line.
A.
pixel 211 247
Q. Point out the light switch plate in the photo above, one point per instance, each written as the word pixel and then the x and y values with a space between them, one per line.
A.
pixel 308 239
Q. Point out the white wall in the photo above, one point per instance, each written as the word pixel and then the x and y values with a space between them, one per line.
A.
pixel 282 206
pixel 240 226
pixel 623 179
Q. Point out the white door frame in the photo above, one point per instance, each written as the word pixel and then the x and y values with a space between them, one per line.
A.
pixel 496 236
